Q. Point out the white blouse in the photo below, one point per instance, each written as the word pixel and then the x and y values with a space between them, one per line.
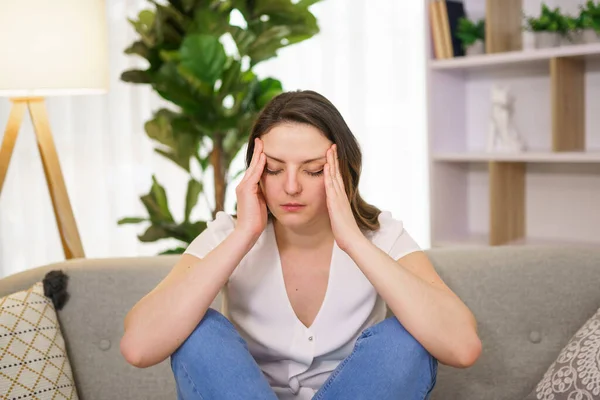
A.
pixel 297 360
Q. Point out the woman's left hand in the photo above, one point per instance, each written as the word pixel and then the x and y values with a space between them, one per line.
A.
pixel 344 226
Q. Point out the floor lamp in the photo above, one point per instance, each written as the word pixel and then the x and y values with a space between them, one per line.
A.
pixel 50 48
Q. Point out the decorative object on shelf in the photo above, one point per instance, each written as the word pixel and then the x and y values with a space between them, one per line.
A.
pixel 471 35
pixel 549 28
pixel 503 135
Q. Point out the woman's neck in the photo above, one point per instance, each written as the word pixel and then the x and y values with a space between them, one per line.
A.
pixel 307 237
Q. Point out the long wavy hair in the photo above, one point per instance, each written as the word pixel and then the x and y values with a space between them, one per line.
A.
pixel 309 107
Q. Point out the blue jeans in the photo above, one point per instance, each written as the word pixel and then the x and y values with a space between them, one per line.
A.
pixel 386 363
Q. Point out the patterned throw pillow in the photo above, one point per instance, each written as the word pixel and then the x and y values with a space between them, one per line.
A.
pixel 33 357
pixel 575 375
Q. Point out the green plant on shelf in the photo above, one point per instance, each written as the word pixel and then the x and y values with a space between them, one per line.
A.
pixel 550 20
pixel 589 16
pixel 469 32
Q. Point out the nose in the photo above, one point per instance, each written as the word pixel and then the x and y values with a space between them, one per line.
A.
pixel 292 185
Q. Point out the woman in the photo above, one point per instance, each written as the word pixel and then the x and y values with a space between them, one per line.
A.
pixel 308 268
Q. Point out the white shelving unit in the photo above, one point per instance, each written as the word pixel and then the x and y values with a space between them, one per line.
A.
pixel 549 194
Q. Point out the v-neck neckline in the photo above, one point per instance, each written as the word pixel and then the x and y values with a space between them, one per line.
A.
pixel 281 278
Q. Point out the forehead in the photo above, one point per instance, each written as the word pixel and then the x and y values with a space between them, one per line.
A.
pixel 295 142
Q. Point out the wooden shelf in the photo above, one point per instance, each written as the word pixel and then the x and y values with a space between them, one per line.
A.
pixel 518 58
pixel 527 157
pixel 552 190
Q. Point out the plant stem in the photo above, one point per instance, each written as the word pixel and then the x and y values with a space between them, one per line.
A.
pixel 219 173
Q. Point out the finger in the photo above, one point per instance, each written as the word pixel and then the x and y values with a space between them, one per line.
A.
pixel 255 154
pixel 329 186
pixel 333 162
pixel 338 174
pixel 330 162
pixel 253 161
pixel 258 169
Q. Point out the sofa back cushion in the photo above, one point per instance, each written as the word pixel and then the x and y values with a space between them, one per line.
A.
pixel 102 291
pixel 528 301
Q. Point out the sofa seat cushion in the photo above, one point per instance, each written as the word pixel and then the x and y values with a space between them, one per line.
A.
pixel 33 358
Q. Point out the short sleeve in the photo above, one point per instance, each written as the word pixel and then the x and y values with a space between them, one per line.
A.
pixel 393 238
pixel 216 231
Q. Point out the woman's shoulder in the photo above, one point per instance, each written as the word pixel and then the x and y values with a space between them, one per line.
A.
pixel 216 231
pixel 392 236
pixel 222 220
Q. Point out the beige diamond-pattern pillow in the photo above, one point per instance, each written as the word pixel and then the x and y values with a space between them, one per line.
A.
pixel 33 358
pixel 575 375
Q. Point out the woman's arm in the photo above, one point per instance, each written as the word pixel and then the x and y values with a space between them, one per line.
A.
pixel 159 323
pixel 422 302
pixel 163 319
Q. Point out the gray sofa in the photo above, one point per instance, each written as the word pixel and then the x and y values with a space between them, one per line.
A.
pixel 528 302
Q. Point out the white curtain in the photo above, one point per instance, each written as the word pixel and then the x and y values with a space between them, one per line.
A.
pixel 369 60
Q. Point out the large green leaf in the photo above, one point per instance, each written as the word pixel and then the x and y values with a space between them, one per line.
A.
pixel 204 56
pixel 136 76
pixel 267 43
pixel 267 90
pixel 153 233
pixel 144 26
pixel 191 199
pixel 169 83
pixel 307 3
pixel 131 220
pixel 156 203
pixel 209 21
pixel 243 39
pixel 176 250
pixel 170 155
pixel 178 133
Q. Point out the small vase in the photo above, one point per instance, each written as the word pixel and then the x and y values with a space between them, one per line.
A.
pixel 476 48
pixel 576 37
pixel 544 40
pixel 569 39
pixel 589 36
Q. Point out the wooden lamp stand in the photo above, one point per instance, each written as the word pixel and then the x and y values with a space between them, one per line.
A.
pixel 69 235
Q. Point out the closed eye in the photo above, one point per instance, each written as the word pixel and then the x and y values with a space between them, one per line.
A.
pixel 277 172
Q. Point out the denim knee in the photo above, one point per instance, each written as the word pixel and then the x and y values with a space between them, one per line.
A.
pixel 398 348
pixel 208 339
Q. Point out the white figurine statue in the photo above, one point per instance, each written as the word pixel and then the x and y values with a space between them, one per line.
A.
pixel 503 135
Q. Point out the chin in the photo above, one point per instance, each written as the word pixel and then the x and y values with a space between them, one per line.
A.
pixel 298 218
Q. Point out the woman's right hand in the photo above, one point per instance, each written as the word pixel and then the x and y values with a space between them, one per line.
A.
pixel 251 205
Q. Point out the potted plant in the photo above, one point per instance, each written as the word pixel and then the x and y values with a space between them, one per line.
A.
pixel 589 22
pixel 549 28
pixel 213 96
pixel 471 35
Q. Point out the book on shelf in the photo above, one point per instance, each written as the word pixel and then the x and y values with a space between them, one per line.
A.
pixel 444 16
pixel 455 11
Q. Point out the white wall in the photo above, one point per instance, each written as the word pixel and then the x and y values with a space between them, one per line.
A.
pixel 368 60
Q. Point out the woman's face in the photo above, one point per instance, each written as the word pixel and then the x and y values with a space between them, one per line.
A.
pixel 294 173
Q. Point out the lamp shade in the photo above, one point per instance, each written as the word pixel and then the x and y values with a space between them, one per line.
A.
pixel 53 47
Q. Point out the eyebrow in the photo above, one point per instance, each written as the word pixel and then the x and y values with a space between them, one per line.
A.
pixel 303 162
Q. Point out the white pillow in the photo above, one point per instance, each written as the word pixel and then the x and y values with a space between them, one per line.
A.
pixel 33 358
pixel 575 374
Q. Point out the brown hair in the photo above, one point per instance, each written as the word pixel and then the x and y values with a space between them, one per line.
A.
pixel 309 107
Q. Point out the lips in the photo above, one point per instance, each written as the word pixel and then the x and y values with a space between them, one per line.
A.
pixel 292 207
